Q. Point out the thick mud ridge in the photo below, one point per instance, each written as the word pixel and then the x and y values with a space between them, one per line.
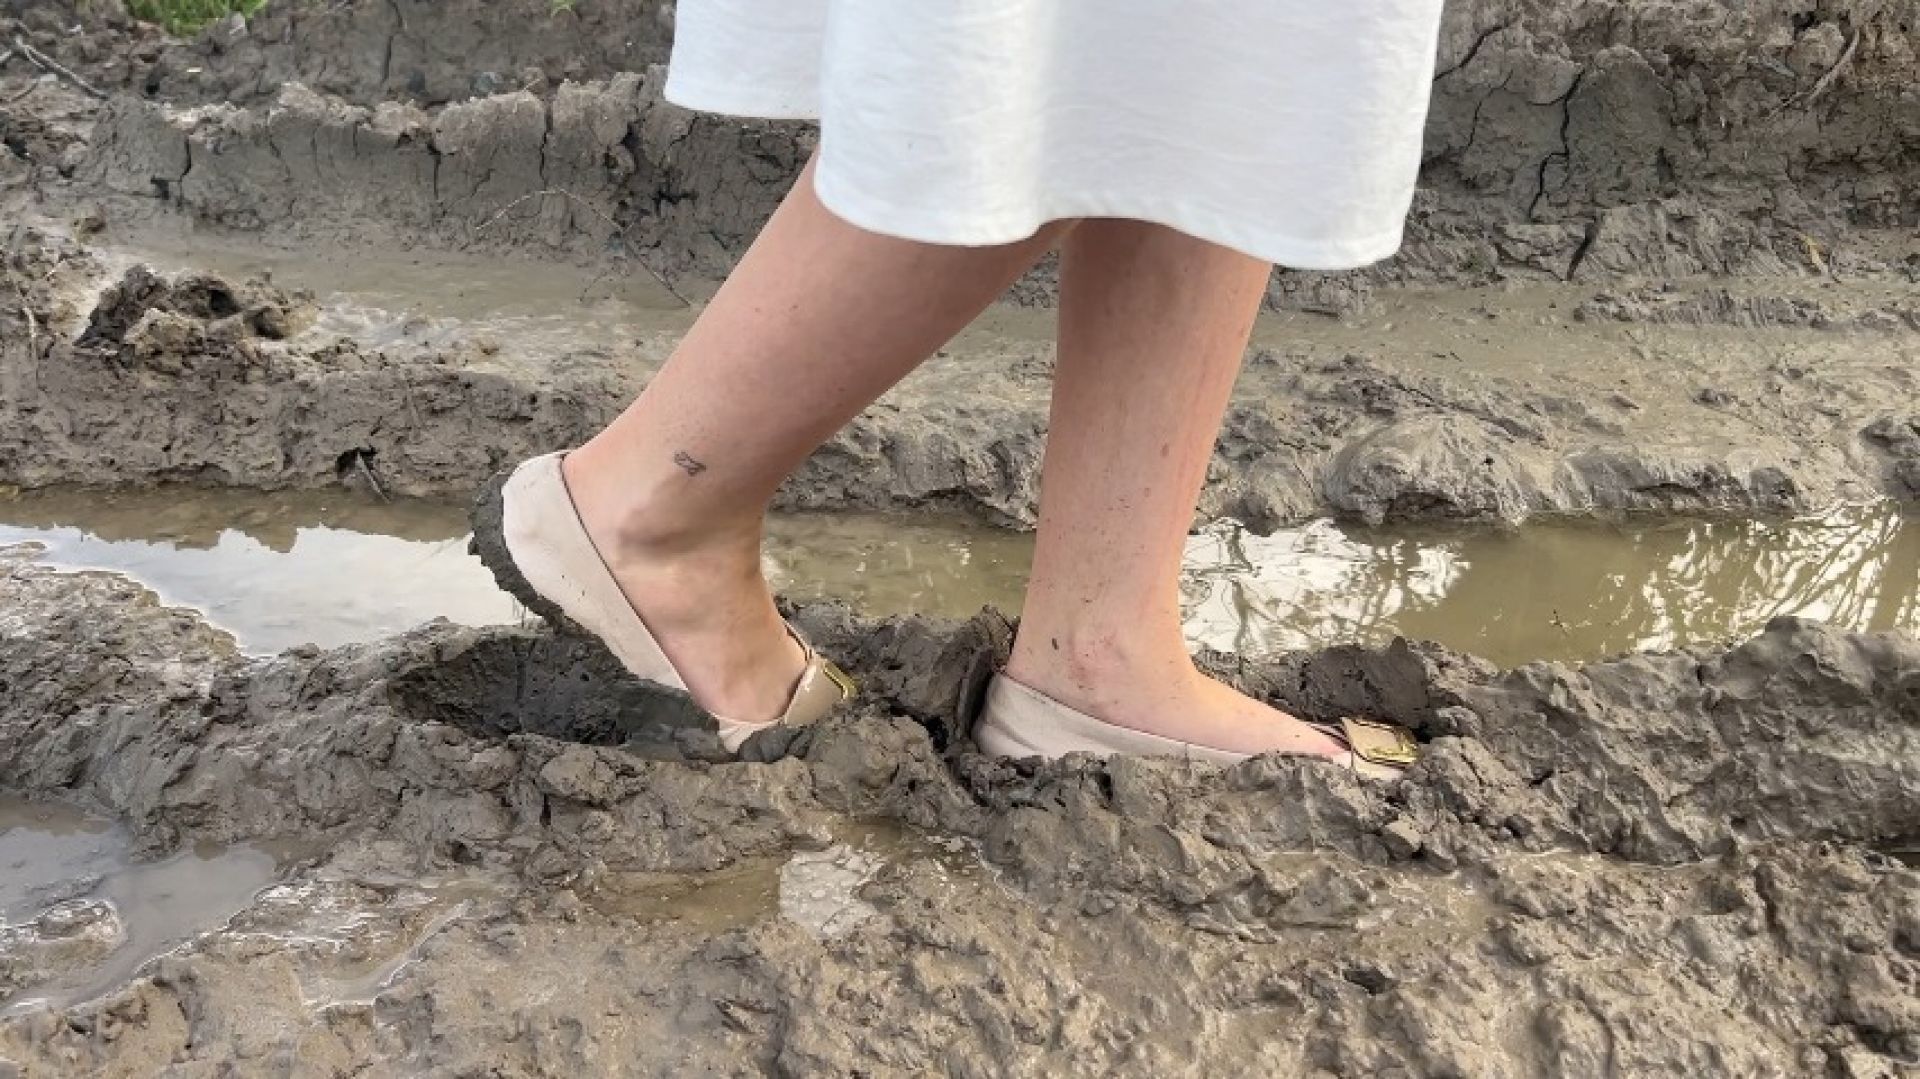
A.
pixel 1655 865
pixel 125 375
pixel 1567 141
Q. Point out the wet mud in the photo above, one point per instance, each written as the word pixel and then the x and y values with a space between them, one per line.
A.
pixel 78 914
pixel 1662 262
pixel 1456 406
pixel 1659 864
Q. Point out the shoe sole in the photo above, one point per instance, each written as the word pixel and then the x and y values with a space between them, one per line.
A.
pixel 489 544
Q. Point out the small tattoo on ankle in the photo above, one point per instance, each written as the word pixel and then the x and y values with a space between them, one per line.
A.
pixel 685 461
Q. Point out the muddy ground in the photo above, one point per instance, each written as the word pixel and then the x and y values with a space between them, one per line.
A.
pixel 1587 165
pixel 1461 406
pixel 1658 865
pixel 1664 260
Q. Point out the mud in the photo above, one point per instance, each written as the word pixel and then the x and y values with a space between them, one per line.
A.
pixel 1656 865
pixel 1655 138
pixel 1662 261
pixel 1459 406
pixel 94 914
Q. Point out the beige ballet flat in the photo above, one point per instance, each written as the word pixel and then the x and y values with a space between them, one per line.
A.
pixel 1020 721
pixel 529 534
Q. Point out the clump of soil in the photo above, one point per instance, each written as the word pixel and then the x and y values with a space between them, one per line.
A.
pixel 149 317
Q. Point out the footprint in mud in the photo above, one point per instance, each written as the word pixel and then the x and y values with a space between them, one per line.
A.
pixel 560 687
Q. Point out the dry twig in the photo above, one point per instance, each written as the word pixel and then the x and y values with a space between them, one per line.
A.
pixel 620 233
pixel 1801 101
pixel 26 312
pixel 26 309
pixel 366 473
pixel 48 63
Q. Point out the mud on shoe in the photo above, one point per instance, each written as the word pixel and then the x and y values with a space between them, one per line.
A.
pixel 529 534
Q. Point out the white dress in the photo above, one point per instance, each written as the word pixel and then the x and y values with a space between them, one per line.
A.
pixel 1287 129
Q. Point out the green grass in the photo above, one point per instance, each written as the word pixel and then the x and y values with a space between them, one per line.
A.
pixel 186 16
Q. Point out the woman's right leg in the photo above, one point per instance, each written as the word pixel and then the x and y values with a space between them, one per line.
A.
pixel 1153 326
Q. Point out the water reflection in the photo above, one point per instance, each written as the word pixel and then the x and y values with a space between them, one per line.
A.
pixel 1553 590
pixel 280 569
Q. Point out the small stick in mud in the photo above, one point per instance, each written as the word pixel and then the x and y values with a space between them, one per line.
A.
pixel 1801 101
pixel 48 63
pixel 33 325
pixel 366 473
pixel 26 310
pixel 620 232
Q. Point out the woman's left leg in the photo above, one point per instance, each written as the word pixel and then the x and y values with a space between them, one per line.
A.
pixel 818 320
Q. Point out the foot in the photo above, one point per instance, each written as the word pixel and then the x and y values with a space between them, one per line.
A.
pixel 1161 692
pixel 703 597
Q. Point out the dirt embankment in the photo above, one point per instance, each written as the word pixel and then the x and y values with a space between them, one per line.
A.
pixel 1652 866
pixel 1589 141
pixel 429 52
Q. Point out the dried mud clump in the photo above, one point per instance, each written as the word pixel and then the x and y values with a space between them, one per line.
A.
pixel 146 317
pixel 196 378
pixel 1898 439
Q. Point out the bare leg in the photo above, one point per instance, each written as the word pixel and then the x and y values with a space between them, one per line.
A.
pixel 818 320
pixel 1153 325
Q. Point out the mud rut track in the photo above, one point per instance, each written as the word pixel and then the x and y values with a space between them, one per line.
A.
pixel 1657 864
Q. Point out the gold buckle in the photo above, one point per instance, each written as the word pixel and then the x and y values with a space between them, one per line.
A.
pixel 1378 742
pixel 848 687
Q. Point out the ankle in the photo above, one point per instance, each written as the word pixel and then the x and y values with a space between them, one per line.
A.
pixel 635 520
pixel 1093 667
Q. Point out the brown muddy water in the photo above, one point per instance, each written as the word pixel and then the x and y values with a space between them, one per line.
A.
pixel 283 569
pixel 78 905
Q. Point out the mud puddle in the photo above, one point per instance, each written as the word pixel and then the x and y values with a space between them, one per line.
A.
pixel 1556 590
pixel 327 568
pixel 79 913
pixel 382 298
pixel 820 891
pixel 542 308
pixel 284 569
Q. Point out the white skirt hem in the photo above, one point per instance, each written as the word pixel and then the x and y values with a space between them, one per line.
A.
pixel 922 225
pixel 919 224
pixel 1290 132
pixel 739 100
